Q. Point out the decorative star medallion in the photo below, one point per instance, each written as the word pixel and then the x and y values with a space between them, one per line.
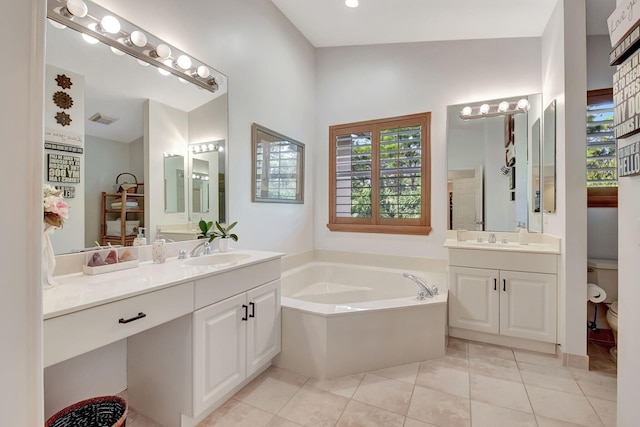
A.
pixel 63 100
pixel 63 81
pixel 63 118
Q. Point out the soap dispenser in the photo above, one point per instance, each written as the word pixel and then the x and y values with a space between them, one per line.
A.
pixel 140 240
pixel 158 248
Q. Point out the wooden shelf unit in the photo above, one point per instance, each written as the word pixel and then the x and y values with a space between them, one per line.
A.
pixel 109 214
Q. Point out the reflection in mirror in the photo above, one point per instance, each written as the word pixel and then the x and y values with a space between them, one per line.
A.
pixel 549 159
pixel 535 215
pixel 207 195
pixel 153 114
pixel 488 171
pixel 278 167
pixel 173 183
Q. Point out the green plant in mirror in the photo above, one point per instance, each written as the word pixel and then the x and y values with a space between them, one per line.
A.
pixel 221 231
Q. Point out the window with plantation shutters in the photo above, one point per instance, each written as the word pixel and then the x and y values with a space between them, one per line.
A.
pixel 380 176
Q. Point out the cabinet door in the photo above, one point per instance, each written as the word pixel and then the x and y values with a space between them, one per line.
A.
pixel 528 305
pixel 474 299
pixel 219 350
pixel 263 327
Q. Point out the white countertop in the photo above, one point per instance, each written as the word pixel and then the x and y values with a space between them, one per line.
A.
pixel 75 292
pixel 539 248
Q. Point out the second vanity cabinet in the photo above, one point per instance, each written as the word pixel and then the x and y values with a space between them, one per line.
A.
pixel 503 294
pixel 232 340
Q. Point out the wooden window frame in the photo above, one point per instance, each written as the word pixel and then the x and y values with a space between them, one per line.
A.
pixel 375 224
pixel 601 197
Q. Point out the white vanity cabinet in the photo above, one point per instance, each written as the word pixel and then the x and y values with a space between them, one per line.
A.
pixel 180 371
pixel 503 297
pixel 232 340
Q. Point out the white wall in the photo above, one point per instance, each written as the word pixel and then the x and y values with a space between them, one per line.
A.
pixel 22 130
pixel 564 79
pixel 370 82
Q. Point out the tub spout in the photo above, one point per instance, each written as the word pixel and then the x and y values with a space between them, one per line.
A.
pixel 425 291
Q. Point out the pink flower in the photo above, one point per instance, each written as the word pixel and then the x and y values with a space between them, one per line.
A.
pixel 56 210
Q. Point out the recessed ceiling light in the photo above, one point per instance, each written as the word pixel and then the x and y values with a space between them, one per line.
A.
pixel 351 3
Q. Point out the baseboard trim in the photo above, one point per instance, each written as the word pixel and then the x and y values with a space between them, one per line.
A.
pixel 519 343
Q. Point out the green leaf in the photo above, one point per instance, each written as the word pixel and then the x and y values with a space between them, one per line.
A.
pixel 219 227
pixel 231 226
pixel 234 237
pixel 203 226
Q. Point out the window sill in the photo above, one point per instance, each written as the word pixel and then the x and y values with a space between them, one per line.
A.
pixel 422 230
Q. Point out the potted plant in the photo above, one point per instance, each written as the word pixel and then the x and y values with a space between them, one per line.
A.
pixel 221 231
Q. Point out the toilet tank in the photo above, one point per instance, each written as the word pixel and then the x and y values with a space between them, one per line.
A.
pixel 604 273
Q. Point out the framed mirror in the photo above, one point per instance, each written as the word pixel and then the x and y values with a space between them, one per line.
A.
pixel 278 167
pixel 549 159
pixel 488 145
pixel 535 196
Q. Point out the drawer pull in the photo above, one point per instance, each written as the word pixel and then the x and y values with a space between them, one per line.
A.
pixel 495 284
pixel 253 310
pixel 504 285
pixel 139 316
pixel 246 312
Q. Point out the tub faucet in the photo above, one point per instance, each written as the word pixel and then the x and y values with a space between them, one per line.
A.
pixel 425 291
pixel 206 249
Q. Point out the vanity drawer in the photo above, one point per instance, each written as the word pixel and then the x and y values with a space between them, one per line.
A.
pixel 76 333
pixel 222 286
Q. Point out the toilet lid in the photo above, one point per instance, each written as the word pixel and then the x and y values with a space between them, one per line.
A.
pixel 614 307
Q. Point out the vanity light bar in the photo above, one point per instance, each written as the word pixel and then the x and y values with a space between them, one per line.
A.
pixel 203 148
pixel 501 109
pixel 98 23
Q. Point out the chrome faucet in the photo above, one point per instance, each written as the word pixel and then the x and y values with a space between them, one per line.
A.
pixel 492 238
pixel 425 291
pixel 206 249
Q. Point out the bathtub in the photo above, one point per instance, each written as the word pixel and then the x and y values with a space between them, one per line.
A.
pixel 341 319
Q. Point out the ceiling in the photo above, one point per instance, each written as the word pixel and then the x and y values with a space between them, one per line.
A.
pixel 327 23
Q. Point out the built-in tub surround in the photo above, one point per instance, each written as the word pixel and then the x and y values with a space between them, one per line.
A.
pixel 175 309
pixel 340 319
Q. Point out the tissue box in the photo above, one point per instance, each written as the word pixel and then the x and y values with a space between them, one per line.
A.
pixel 112 259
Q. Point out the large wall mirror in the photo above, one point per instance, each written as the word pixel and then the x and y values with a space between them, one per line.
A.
pixel 489 181
pixel 141 115
pixel 207 188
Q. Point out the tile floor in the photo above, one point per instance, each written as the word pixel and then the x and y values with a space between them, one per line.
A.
pixel 472 385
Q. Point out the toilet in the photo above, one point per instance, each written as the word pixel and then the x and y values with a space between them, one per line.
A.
pixel 604 273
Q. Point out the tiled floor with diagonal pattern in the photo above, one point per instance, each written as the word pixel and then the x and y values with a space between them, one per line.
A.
pixel 473 385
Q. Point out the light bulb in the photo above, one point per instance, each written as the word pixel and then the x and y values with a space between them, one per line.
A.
pixel 56 24
pixel 523 104
pixel 162 51
pixel 466 111
pixel 503 106
pixel 163 71
pixel 220 148
pixel 193 176
pixel 181 80
pixel 203 72
pixel 203 147
pixel 110 24
pixel 184 62
pixel 351 3
pixel 77 8
pixel 143 63
pixel 211 147
pixel 484 108
pixel 138 38
pixel 117 51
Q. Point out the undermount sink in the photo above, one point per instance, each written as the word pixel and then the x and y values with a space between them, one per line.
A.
pixel 218 260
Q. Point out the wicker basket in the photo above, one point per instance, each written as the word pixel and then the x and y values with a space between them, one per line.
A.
pixel 126 184
pixel 103 411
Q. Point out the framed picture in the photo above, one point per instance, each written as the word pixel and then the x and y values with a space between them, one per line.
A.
pixel 277 167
